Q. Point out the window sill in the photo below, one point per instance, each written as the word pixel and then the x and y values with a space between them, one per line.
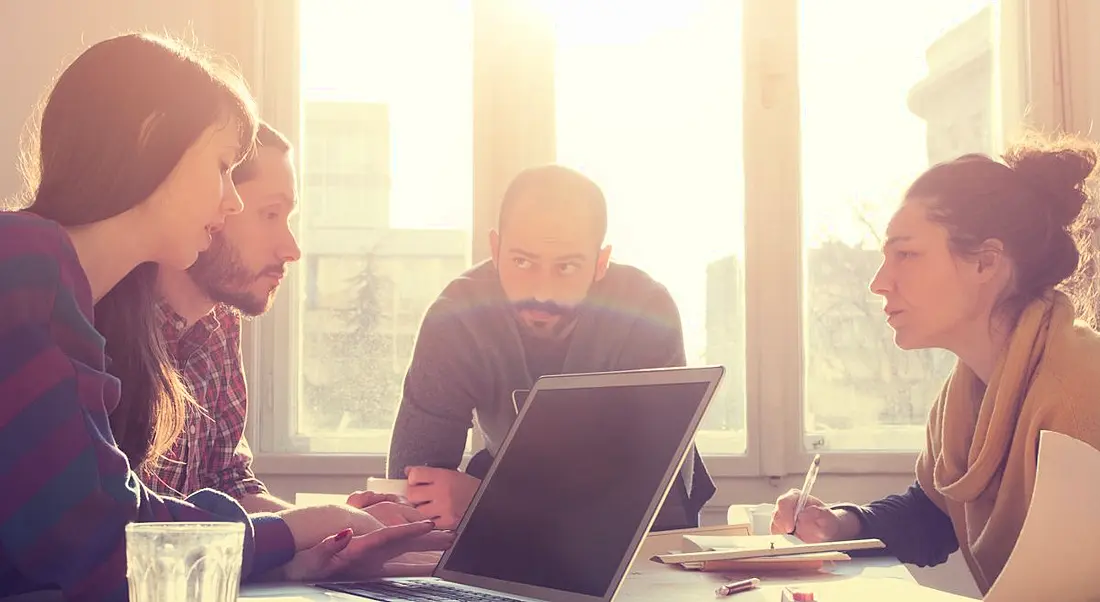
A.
pixel 721 466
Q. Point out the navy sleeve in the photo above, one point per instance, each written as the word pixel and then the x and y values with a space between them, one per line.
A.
pixel 913 528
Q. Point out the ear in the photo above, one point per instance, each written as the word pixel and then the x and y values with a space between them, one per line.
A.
pixel 494 246
pixel 602 261
pixel 990 259
pixel 147 127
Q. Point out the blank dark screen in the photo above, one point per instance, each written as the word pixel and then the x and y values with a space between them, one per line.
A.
pixel 574 484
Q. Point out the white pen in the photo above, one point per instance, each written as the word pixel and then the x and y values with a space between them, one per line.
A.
pixel 737 587
pixel 807 485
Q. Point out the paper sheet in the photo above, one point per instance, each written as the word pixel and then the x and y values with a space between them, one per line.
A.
pixel 743 542
pixel 1056 556
pixel 881 590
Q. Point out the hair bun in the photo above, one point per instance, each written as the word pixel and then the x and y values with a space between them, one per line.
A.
pixel 1058 171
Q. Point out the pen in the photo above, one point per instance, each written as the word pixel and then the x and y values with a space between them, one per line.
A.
pixel 737 587
pixel 807 485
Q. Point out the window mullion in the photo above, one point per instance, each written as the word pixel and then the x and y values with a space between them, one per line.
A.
pixel 274 372
pixel 773 237
pixel 513 104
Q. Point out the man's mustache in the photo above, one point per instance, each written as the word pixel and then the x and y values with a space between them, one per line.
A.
pixel 277 271
pixel 548 307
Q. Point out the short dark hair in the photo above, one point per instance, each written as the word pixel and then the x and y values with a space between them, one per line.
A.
pixel 266 137
pixel 1031 203
pixel 555 185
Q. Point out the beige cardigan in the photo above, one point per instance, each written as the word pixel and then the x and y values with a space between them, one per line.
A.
pixel 983 441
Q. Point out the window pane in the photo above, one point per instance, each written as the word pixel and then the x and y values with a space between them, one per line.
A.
pixel 387 202
pixel 879 105
pixel 650 107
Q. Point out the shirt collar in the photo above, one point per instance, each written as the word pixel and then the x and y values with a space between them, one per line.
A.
pixel 175 326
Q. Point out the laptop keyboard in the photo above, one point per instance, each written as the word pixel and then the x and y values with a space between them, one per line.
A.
pixel 414 591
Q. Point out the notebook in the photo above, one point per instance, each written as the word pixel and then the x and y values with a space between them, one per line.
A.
pixel 764 549
pixel 572 493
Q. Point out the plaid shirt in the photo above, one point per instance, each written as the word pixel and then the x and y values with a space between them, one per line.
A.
pixel 211 452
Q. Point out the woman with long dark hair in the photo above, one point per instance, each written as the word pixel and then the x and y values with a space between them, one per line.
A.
pixel 137 142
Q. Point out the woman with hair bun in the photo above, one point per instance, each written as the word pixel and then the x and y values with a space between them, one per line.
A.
pixel 976 262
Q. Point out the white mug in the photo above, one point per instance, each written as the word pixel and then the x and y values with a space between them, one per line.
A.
pixel 394 486
pixel 760 519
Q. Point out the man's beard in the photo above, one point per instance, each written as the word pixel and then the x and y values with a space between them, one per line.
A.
pixel 220 276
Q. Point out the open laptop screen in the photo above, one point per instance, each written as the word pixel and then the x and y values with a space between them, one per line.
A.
pixel 580 472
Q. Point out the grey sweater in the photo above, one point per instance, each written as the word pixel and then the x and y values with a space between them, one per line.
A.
pixel 469 358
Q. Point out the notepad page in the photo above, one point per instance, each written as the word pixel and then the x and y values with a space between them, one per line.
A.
pixel 708 543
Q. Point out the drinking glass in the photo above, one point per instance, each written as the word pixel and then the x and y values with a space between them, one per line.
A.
pixel 184 562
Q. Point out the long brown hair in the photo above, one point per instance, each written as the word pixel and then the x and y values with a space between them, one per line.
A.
pixel 116 123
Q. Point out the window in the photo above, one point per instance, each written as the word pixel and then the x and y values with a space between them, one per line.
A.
pixel 925 94
pixel 751 152
pixel 386 96
pixel 666 130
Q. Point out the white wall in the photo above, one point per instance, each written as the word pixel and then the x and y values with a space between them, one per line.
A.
pixel 39 37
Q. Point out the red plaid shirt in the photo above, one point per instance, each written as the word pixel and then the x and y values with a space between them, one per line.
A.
pixel 212 452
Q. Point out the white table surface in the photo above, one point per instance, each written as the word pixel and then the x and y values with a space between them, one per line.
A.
pixel 650 581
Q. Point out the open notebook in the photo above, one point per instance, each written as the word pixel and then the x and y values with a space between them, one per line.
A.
pixel 760 552
pixel 665 542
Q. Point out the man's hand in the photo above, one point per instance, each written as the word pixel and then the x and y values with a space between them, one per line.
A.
pixel 388 508
pixel 362 499
pixel 346 556
pixel 440 494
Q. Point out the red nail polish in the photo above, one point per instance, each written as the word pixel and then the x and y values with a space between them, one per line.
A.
pixel 342 535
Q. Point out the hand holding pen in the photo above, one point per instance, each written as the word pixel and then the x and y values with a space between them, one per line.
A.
pixel 804 493
pixel 799 513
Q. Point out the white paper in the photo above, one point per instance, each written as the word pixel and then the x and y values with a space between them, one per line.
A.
pixel 1057 556
pixel 881 590
pixel 743 542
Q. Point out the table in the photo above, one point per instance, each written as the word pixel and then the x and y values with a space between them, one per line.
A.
pixel 650 581
pixel 877 579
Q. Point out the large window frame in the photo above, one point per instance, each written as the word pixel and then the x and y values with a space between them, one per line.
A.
pixel 514 127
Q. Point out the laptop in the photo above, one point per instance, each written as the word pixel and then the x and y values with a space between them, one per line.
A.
pixel 572 493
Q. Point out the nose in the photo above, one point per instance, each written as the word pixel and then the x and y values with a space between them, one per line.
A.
pixel 880 284
pixel 542 293
pixel 290 250
pixel 231 201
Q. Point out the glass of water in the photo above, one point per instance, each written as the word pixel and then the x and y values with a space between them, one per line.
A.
pixel 184 562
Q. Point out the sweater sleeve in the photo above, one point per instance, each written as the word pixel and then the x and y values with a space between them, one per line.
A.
pixel 438 399
pixel 68 489
pixel 913 528
pixel 657 338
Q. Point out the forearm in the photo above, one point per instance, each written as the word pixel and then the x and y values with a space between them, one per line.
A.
pixel 422 439
pixel 913 528
pixel 263 502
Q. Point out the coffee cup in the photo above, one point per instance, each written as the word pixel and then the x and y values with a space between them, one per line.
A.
pixel 394 486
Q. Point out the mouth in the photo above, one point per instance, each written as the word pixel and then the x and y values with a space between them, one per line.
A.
pixel 213 228
pixel 539 316
pixel 892 314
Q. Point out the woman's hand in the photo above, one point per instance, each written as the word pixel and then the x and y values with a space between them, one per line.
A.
pixel 816 523
pixel 345 556
pixel 311 524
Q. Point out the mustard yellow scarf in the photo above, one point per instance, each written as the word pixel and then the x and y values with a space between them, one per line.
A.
pixel 979 462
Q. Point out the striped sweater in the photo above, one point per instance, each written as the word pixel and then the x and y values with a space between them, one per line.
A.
pixel 66 490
